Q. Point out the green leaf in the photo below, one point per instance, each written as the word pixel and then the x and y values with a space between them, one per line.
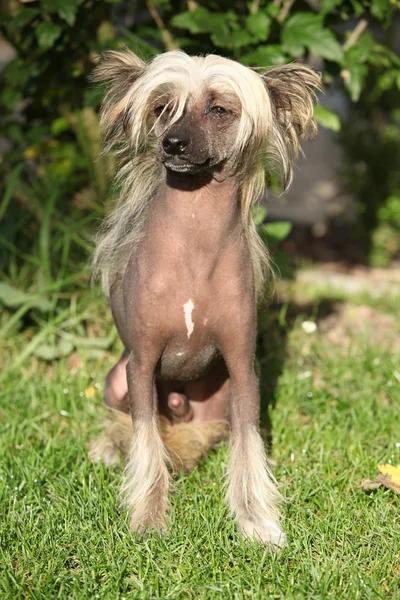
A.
pixel 240 38
pixel 328 6
pixel 278 230
pixel 259 213
pixel 282 267
pixel 51 352
pixel 197 21
pixel 355 67
pixel 305 30
pixel 222 37
pixel 68 13
pixel 327 118
pixel 13 298
pixel 272 9
pixel 66 9
pixel 390 212
pixel 10 97
pixel 47 34
pixel 299 30
pixel 380 9
pixel 364 49
pixel 59 126
pixel 259 25
pixel 53 6
pixel 387 80
pixel 16 73
pixel 93 343
pixel 358 8
pixel 219 25
pixel 354 78
pixel 85 342
pixel 22 18
pixel 266 56
pixel 326 45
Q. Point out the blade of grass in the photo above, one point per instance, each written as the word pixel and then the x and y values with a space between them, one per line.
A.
pixel 54 287
pixel 74 236
pixel 16 317
pixel 45 233
pixel 35 342
pixel 65 252
pixel 9 190
pixel 27 257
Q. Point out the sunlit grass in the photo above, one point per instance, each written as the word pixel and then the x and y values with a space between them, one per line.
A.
pixel 63 534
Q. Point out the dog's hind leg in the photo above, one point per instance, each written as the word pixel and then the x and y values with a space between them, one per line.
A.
pixel 104 449
pixel 146 477
pixel 252 493
pixel 116 387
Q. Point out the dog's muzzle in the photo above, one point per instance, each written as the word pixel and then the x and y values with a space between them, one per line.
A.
pixel 176 156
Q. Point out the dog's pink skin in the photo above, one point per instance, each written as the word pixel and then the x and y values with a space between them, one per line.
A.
pixel 193 228
pixel 199 400
pixel 193 248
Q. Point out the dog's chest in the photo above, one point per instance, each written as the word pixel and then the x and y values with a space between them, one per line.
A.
pixel 189 349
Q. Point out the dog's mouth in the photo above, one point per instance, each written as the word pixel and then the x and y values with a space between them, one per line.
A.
pixel 183 165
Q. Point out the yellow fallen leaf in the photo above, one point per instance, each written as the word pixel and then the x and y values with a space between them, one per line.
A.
pixel 90 392
pixel 392 472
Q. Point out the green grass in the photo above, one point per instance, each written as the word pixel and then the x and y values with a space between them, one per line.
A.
pixel 335 415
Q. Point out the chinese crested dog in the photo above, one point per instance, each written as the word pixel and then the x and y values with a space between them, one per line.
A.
pixel 184 267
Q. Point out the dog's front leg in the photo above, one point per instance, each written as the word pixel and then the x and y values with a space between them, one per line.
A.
pixel 252 494
pixel 146 477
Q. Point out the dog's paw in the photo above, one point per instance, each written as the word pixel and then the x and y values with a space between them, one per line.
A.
pixel 151 523
pixel 103 450
pixel 150 514
pixel 268 532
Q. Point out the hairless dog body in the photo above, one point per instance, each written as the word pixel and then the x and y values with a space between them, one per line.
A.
pixel 183 266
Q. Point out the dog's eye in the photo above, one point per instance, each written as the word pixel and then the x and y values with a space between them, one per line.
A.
pixel 217 110
pixel 159 110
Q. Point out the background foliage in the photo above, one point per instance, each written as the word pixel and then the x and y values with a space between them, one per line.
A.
pixel 54 184
pixel 63 534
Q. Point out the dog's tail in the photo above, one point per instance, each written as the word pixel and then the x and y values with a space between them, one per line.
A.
pixel 186 443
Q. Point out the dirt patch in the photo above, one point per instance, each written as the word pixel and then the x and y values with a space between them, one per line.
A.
pixel 349 323
pixel 352 280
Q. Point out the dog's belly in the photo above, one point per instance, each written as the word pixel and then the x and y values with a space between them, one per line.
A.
pixel 185 364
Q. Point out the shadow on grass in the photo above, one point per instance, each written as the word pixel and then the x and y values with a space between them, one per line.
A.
pixel 276 321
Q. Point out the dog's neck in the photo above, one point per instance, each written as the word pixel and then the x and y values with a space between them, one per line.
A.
pixel 201 198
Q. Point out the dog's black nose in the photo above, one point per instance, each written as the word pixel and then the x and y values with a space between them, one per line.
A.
pixel 174 145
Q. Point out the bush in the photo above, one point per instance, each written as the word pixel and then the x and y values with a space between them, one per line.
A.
pixel 48 110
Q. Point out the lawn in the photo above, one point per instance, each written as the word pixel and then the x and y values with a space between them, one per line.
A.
pixel 334 414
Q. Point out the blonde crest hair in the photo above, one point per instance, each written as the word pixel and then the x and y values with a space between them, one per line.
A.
pixel 276 109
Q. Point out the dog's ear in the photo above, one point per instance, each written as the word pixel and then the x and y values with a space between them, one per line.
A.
pixel 292 90
pixel 118 70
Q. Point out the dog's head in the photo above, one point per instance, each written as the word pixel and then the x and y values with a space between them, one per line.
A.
pixel 201 113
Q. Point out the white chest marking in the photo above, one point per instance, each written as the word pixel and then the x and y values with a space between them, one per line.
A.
pixel 188 309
